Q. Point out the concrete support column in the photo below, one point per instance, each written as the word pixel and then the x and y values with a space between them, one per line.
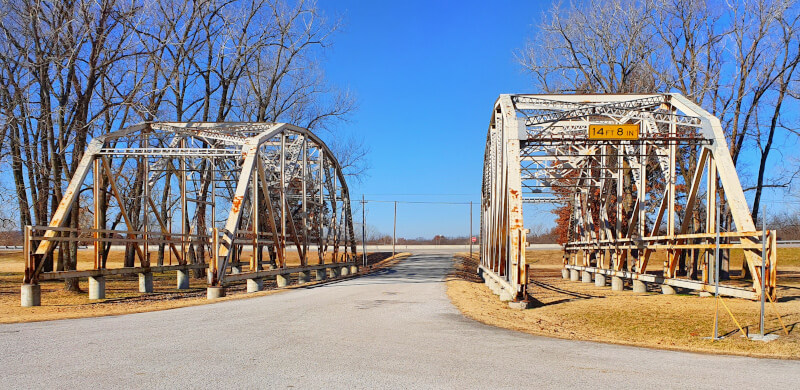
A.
pixel 30 295
pixel 520 305
pixel 573 275
pixel 303 277
pixel 345 271
pixel 494 286
pixel 564 273
pixel 505 296
pixel 236 269
pixel 617 284
pixel 183 279
pixel 282 280
pixel 667 289
pixel 319 274
pixel 586 277
pixel 255 285
pixel 215 292
pixel 639 286
pixel 353 269
pixel 97 287
pixel 333 272
pixel 599 279
pixel 146 282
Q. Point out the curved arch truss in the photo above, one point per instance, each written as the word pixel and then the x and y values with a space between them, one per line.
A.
pixel 650 186
pixel 207 192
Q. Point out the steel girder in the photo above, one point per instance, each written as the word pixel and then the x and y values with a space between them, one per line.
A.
pixel 622 194
pixel 277 185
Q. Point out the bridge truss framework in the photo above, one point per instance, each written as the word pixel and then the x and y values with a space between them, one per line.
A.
pixel 228 187
pixel 628 199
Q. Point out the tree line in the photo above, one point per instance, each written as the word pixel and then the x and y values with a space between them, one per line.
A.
pixel 72 70
pixel 737 59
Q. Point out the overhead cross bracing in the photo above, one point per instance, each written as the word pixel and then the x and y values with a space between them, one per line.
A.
pixel 626 198
pixel 205 191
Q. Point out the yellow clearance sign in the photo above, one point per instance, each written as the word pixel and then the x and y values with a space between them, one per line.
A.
pixel 614 132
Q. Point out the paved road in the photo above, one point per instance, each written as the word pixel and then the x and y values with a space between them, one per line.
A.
pixel 390 330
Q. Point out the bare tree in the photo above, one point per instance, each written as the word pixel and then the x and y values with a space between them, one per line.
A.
pixel 74 70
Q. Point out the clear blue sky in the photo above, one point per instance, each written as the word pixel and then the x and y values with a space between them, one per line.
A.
pixel 426 75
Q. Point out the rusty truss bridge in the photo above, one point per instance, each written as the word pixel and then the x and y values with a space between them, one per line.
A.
pixel 209 193
pixel 640 175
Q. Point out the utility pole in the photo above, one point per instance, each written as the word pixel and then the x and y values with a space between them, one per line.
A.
pixel 470 229
pixel 364 229
pixel 394 232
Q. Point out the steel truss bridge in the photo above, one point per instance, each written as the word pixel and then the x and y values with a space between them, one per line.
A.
pixel 628 199
pixel 227 187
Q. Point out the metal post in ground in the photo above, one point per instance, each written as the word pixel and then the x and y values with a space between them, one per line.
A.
pixel 763 266
pixel 364 229
pixel 394 232
pixel 716 278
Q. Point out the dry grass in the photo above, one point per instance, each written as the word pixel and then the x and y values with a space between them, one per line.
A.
pixel 582 311
pixel 122 296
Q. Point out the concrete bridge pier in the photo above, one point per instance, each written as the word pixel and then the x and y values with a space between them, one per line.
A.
pixel 319 274
pixel 586 277
pixel 345 271
pixel 573 275
pixel 639 286
pixel 617 284
pixel 599 279
pixel 303 277
pixel 215 292
pixel 146 282
pixel 31 295
pixel 282 280
pixel 255 285
pixel 182 279
pixel 97 287
pixel 564 273
pixel 333 272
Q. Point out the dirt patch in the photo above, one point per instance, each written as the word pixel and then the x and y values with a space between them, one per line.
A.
pixel 582 311
pixel 122 291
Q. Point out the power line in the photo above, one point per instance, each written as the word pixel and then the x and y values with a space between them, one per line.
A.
pixel 407 202
pixel 473 194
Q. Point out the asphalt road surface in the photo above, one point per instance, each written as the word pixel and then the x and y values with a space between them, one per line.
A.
pixel 393 329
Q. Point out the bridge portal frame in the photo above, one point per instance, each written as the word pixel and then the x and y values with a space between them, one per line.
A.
pixel 538 150
pixel 278 182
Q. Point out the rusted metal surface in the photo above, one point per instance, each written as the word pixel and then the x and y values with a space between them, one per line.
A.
pixel 623 194
pixel 228 186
